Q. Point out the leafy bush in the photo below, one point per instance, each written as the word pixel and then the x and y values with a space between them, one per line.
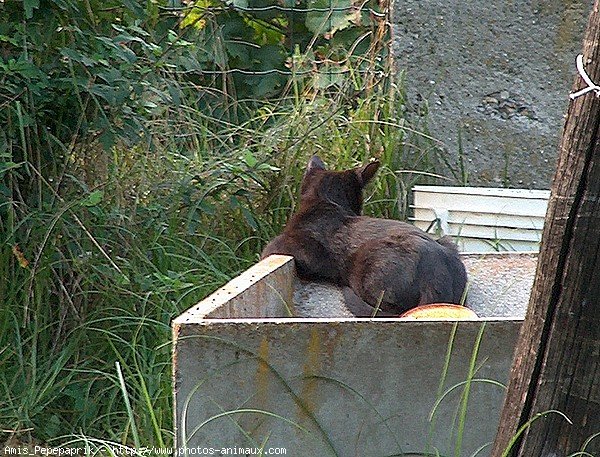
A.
pixel 78 73
pixel 247 39
pixel 95 71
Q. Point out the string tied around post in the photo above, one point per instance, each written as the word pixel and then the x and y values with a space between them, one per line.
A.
pixel 592 87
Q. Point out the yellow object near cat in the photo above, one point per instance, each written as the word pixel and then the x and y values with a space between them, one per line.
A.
pixel 440 311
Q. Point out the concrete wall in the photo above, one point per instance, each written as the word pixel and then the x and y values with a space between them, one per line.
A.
pixel 497 72
pixel 336 387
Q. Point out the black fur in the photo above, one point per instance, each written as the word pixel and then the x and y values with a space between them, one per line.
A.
pixel 385 262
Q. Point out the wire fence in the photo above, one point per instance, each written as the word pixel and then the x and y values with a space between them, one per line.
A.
pixel 260 44
pixel 232 7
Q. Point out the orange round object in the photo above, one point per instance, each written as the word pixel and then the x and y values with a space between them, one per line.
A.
pixel 440 311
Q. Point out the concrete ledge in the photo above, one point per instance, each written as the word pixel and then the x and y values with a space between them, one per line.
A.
pixel 264 290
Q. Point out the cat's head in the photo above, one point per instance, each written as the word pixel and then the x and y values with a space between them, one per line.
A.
pixel 342 188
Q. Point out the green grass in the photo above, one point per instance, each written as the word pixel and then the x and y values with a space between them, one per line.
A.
pixel 99 252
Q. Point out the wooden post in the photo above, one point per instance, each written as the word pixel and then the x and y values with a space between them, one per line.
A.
pixel 557 360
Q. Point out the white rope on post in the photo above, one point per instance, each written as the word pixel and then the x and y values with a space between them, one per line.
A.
pixel 592 87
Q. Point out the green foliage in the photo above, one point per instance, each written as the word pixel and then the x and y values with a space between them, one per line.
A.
pixel 95 74
pixel 133 183
pixel 96 273
pixel 258 36
pixel 87 70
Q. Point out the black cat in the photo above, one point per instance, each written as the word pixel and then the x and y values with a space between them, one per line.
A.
pixel 387 263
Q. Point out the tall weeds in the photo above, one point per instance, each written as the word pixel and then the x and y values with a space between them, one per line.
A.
pixel 101 248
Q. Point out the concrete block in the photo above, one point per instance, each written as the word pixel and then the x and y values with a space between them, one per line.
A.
pixel 340 386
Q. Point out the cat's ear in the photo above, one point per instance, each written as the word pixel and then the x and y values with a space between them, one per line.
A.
pixel 366 172
pixel 315 163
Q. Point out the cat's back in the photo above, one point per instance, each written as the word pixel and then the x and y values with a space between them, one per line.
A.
pixel 362 229
pixel 391 240
pixel 400 266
